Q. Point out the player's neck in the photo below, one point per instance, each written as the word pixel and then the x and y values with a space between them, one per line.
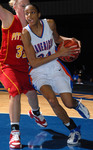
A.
pixel 22 20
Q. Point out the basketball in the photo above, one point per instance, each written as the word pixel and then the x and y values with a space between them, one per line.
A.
pixel 68 43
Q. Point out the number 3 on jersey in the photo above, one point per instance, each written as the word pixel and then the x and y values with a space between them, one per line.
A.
pixel 20 52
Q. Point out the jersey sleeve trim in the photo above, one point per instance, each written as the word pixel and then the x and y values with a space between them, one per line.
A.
pixel 10 25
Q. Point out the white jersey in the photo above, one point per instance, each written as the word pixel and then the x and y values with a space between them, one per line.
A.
pixel 53 73
pixel 43 45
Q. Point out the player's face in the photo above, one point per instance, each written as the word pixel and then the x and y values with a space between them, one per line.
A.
pixel 31 15
pixel 20 6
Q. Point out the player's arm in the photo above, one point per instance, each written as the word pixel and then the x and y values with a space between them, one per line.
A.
pixel 6 17
pixel 58 39
pixel 30 52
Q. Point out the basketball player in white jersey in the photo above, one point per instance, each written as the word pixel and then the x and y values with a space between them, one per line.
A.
pixel 47 73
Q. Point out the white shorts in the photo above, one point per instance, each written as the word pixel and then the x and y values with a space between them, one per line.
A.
pixel 54 74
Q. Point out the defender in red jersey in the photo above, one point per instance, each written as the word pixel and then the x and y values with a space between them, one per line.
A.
pixel 13 60
pixel 14 68
pixel 12 50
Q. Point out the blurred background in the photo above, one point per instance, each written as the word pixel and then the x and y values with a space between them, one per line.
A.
pixel 74 18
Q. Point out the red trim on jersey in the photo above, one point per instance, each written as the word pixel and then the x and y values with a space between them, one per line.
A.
pixel 10 25
pixel 65 69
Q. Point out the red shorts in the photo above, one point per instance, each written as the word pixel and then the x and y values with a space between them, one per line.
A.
pixel 14 81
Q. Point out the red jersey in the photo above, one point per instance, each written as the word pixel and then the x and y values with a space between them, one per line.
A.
pixel 12 51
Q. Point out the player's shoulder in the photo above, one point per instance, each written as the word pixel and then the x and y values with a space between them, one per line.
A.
pixel 51 23
pixel 24 30
pixel 25 33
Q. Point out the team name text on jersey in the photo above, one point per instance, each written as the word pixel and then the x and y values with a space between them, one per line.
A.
pixel 43 46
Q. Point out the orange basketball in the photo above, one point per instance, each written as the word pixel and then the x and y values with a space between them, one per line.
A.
pixel 68 43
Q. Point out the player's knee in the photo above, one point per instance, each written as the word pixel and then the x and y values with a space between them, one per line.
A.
pixel 53 102
pixel 15 98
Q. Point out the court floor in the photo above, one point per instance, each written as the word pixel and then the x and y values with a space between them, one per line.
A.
pixel 54 136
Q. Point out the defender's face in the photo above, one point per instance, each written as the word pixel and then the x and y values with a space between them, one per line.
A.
pixel 20 6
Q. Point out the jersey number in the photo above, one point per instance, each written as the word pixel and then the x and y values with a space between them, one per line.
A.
pixel 20 53
pixel 42 55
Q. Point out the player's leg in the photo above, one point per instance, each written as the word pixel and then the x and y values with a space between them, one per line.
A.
pixel 33 101
pixel 70 102
pixel 14 108
pixel 8 79
pixel 14 112
pixel 35 112
pixel 63 85
pixel 48 93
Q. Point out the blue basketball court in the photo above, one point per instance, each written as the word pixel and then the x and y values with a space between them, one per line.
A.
pixel 53 137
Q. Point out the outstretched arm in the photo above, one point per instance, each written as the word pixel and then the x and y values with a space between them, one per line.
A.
pixel 6 17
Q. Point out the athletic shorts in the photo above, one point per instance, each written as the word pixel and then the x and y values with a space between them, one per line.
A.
pixel 15 82
pixel 54 74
